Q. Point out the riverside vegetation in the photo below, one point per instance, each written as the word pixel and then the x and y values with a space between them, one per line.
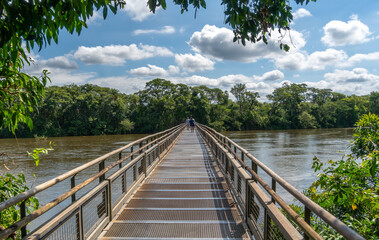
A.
pixel 92 110
pixel 349 188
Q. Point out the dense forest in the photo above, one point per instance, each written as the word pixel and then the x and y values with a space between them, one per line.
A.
pixel 92 110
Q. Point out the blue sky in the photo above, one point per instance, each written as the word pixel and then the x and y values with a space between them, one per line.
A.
pixel 334 45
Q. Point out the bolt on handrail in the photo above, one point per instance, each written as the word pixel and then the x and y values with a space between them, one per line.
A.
pixel 159 137
pixel 330 219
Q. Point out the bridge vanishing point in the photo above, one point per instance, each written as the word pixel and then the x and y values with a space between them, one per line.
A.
pixel 174 185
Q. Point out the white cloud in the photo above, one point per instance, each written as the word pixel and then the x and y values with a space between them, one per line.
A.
pixel 151 70
pixel 357 75
pixel 300 13
pixel 117 55
pixel 223 82
pixel 218 43
pixel 60 62
pixel 193 63
pixel 137 10
pixel 270 76
pixel 357 81
pixel 228 81
pixel 362 57
pixel 154 71
pixel 338 33
pixel 124 84
pixel 318 60
pixel 163 30
pixel 66 77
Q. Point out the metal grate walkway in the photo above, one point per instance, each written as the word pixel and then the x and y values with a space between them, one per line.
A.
pixel 185 197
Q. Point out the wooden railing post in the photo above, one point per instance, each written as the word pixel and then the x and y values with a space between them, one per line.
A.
pixel 22 215
pixel 101 168
pixel 307 219
pixel 73 196
pixel 119 157
pixel 144 164
pixel 273 186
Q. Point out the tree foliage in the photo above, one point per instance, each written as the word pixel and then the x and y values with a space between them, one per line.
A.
pixel 349 188
pixel 92 110
pixel 10 186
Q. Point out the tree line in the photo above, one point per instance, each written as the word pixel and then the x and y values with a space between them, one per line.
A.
pixel 74 110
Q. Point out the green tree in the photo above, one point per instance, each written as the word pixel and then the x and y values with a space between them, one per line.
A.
pixel 286 103
pixel 348 188
pixel 238 91
pixel 374 102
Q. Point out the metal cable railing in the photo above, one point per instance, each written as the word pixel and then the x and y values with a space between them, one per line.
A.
pixel 87 216
pixel 261 213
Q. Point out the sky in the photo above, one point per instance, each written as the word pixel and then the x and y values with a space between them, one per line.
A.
pixel 334 44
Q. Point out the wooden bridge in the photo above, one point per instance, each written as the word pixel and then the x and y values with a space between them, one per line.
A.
pixel 174 185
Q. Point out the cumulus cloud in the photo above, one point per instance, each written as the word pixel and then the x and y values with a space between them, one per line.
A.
pixel 117 55
pixel 217 43
pixel 137 10
pixel 155 71
pixel 60 62
pixel 57 64
pixel 194 63
pixel 228 81
pixel 300 13
pixel 163 30
pixel 270 76
pixel 338 33
pixel 357 81
pixel 362 57
pixel 124 84
pixel 318 60
pixel 66 77
pixel 357 75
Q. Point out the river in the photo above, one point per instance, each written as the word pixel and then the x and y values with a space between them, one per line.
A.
pixel 289 153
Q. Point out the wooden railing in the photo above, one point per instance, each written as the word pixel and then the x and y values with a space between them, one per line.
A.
pixel 264 213
pixel 86 217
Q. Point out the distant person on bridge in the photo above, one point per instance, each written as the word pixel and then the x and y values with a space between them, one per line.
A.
pixel 192 124
pixel 188 123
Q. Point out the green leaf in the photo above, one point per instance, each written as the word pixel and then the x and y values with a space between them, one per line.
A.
pixel 105 12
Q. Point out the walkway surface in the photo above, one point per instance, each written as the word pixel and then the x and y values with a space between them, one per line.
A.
pixel 185 197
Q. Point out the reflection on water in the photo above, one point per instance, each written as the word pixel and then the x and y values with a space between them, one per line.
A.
pixel 289 153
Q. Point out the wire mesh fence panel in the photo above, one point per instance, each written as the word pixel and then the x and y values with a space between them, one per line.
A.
pixel 273 231
pixel 118 188
pixel 140 168
pixel 69 229
pixel 256 214
pixel 130 178
pixel 94 211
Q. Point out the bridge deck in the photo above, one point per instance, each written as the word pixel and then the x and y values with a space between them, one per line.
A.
pixel 184 197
